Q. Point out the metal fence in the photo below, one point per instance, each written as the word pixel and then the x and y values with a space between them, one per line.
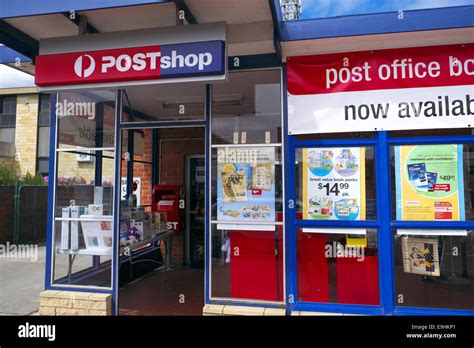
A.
pixel 30 214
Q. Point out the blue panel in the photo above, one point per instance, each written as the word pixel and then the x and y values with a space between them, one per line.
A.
pixel 117 195
pixel 290 213
pixel 51 186
pixel 7 55
pixel 338 308
pixel 207 201
pixel 430 311
pixel 34 7
pixel 384 209
pixel 379 23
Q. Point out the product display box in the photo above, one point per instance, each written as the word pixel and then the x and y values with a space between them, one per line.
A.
pixel 65 228
pixel 76 212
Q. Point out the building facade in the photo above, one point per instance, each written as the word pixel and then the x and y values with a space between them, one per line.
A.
pixel 24 130
pixel 275 167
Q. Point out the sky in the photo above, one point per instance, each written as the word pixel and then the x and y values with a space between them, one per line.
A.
pixel 332 8
pixel 10 77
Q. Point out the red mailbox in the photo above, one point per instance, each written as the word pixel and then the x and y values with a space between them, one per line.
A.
pixel 165 199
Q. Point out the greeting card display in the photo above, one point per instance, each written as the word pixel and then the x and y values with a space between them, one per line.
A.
pixel 420 256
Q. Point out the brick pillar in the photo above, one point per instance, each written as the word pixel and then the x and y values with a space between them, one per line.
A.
pixel 54 302
pixel 26 133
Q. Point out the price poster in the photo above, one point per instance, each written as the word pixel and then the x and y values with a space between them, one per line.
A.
pixel 334 183
pixel 429 182
pixel 246 184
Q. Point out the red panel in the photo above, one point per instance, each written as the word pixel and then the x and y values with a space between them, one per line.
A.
pixel 134 63
pixel 313 283
pixel 431 66
pixel 253 272
pixel 357 281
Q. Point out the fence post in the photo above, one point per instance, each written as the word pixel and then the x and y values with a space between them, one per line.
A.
pixel 16 211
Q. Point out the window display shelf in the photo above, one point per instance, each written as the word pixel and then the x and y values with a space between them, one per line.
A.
pixel 159 235
pixel 88 218
pixel 91 252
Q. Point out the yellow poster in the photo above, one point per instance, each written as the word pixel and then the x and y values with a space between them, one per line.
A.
pixel 429 182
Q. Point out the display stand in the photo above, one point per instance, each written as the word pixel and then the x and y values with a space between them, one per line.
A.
pixel 127 253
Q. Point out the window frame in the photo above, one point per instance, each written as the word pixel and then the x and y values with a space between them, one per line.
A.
pixel 436 225
pixel 384 223
pixel 41 97
pixel 210 222
pixel 3 114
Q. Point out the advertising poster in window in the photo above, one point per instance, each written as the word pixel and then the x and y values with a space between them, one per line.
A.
pixel 334 183
pixel 429 182
pixel 246 184
pixel 420 256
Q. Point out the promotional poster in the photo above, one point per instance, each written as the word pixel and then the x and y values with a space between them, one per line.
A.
pixel 334 183
pixel 429 182
pixel 246 184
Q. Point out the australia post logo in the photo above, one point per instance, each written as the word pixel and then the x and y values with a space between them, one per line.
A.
pixel 79 67
pixel 133 63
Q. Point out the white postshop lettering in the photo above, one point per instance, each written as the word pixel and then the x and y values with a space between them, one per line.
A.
pixel 150 60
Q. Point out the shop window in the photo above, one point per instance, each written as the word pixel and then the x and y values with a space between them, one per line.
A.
pixel 434 268
pixel 336 183
pixel 164 102
pixel 433 182
pixel 84 235
pixel 338 266
pixel 83 229
pixel 247 254
pixel 247 264
pixel 86 119
pixel 247 109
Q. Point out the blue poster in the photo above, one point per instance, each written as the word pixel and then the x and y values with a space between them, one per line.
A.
pixel 246 185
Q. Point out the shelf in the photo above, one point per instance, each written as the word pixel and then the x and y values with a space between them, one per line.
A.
pixel 89 218
pixel 91 252
pixel 158 236
pixel 108 251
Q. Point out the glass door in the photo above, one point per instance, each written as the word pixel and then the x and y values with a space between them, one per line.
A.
pixel 195 213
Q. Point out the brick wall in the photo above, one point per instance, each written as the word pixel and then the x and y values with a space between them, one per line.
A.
pixel 54 303
pixel 176 144
pixel 26 133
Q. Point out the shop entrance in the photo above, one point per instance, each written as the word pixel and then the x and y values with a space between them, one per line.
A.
pixel 162 218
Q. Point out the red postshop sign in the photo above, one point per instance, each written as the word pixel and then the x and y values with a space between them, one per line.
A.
pixel 132 63
pixel 98 66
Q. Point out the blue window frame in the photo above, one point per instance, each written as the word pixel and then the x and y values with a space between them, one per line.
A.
pixel 384 223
